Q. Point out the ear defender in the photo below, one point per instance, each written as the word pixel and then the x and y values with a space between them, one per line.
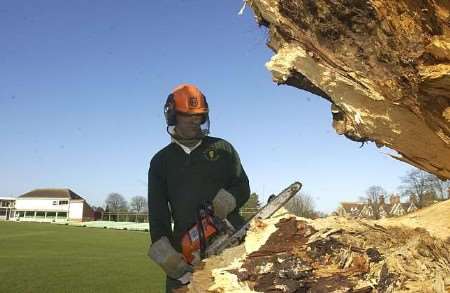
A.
pixel 205 115
pixel 169 111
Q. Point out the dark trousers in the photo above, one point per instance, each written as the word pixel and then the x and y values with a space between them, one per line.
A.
pixel 172 284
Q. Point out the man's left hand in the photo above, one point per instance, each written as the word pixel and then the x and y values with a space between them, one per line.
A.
pixel 223 203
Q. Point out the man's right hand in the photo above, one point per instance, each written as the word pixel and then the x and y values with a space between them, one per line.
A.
pixel 170 260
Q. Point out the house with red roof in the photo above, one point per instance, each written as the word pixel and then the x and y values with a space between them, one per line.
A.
pixel 393 208
pixel 49 205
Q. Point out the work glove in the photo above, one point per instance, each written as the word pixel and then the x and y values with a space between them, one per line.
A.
pixel 170 260
pixel 223 203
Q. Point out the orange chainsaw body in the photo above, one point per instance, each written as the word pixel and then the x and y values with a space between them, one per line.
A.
pixel 190 243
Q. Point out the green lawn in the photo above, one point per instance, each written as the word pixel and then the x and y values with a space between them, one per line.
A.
pixel 39 257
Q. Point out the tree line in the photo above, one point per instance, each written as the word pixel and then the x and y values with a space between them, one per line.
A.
pixel 116 203
pixel 417 186
pixel 301 205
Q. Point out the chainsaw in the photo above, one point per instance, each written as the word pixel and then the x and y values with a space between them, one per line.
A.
pixel 211 235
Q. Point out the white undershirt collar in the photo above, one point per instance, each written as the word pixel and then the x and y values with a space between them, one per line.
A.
pixel 186 149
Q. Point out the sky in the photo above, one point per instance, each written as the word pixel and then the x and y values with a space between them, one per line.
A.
pixel 83 84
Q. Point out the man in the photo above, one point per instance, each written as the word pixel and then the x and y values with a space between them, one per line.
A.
pixel 192 170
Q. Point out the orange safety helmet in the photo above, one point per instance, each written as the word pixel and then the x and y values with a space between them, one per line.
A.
pixel 187 99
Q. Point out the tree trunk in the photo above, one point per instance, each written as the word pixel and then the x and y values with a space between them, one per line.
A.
pixel 384 66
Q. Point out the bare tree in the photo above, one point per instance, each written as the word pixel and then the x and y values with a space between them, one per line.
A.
pixel 441 188
pixel 417 184
pixel 115 202
pixel 301 205
pixel 138 204
pixel 374 197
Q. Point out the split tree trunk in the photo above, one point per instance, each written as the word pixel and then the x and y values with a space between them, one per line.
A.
pixel 384 65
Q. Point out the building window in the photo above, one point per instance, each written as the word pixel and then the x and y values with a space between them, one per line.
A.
pixel 51 214
pixel 29 214
pixel 62 215
pixel 63 202
pixel 55 202
pixel 40 214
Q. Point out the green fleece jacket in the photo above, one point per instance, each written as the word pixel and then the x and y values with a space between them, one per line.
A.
pixel 178 183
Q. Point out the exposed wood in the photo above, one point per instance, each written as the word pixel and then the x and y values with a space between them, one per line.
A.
pixel 384 65
pixel 291 254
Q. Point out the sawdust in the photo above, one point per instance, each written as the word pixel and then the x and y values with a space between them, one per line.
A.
pixel 435 219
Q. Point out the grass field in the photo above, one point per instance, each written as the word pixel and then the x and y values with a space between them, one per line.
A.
pixel 37 257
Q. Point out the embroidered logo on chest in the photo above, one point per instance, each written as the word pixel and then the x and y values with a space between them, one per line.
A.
pixel 211 154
